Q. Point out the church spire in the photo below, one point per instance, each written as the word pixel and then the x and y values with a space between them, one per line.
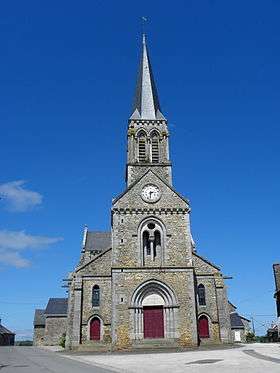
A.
pixel 146 103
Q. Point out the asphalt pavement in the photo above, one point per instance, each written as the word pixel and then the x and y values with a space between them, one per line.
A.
pixel 17 359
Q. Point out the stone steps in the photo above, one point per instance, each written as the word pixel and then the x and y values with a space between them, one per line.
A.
pixel 94 346
pixel 156 344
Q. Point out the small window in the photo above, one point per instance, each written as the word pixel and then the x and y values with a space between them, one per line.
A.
pixel 201 295
pixel 95 296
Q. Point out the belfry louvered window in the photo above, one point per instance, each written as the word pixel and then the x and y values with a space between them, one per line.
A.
pixel 142 148
pixel 155 148
pixel 95 296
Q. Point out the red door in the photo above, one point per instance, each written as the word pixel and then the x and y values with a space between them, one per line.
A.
pixel 203 327
pixel 153 322
pixel 95 329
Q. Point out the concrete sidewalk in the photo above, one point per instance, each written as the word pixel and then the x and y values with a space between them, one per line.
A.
pixel 256 357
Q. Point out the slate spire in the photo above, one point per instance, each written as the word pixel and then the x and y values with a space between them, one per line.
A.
pixel 146 102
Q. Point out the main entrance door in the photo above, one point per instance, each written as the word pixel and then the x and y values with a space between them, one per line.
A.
pixel 95 329
pixel 153 322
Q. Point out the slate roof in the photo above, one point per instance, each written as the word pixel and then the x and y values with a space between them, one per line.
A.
pixel 57 306
pixel 39 317
pixel 146 102
pixel 232 305
pixel 236 321
pixel 4 330
pixel 99 241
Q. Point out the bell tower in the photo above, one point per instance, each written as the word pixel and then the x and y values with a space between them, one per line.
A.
pixel 147 135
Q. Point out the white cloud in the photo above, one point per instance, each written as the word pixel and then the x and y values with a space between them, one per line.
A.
pixel 14 243
pixel 17 198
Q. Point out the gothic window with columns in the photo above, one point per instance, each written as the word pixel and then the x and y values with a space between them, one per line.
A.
pixel 151 241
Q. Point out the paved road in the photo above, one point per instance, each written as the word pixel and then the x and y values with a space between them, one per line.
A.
pixel 252 358
pixel 35 360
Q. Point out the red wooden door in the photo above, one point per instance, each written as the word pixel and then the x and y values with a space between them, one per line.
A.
pixel 203 327
pixel 95 329
pixel 153 322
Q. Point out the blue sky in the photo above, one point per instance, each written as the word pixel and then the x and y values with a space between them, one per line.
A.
pixel 68 73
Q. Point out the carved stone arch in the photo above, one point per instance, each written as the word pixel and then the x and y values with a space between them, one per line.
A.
pixel 158 256
pixel 205 314
pixel 154 294
pixel 89 322
pixel 157 287
pixel 141 132
pixel 154 132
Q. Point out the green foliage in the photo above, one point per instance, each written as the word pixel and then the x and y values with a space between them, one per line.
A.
pixel 24 343
pixel 263 339
pixel 250 337
pixel 62 340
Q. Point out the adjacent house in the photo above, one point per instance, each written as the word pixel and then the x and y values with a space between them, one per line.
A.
pixel 50 323
pixel 240 326
pixel 7 338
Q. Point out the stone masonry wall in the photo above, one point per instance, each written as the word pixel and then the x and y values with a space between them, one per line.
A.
pixel 38 335
pixel 103 311
pixel 171 210
pixel 126 282
pixel 55 328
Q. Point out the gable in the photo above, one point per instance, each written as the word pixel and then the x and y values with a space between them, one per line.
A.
pixel 202 265
pixel 98 266
pixel 131 198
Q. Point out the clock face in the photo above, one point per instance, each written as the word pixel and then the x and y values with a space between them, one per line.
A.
pixel 151 193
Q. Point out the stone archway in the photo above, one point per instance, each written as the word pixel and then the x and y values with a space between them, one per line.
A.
pixel 154 311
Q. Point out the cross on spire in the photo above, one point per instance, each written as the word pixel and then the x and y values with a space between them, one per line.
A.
pixel 146 102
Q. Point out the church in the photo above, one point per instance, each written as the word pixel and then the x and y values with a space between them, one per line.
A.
pixel 143 284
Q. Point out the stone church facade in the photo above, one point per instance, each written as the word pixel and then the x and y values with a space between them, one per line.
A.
pixel 143 284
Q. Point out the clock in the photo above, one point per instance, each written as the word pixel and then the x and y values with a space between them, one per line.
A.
pixel 151 193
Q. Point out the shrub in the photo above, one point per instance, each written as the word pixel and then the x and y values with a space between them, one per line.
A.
pixel 250 337
pixel 62 340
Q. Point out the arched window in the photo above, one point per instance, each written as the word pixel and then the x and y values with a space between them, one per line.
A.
pixel 95 296
pixel 201 295
pixel 203 327
pixel 151 242
pixel 155 147
pixel 142 147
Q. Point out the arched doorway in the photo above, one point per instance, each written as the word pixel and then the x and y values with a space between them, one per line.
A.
pixel 154 311
pixel 153 318
pixel 203 327
pixel 95 329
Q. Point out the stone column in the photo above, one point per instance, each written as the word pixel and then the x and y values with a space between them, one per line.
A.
pixel 223 311
pixel 77 313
